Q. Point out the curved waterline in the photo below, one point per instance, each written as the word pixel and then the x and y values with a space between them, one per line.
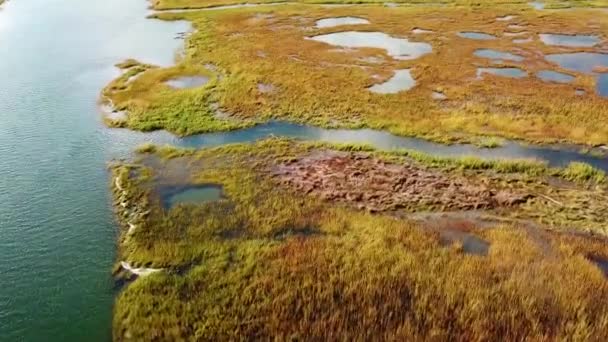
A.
pixel 554 156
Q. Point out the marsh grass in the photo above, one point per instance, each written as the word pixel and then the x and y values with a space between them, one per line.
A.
pixel 269 263
pixel 318 84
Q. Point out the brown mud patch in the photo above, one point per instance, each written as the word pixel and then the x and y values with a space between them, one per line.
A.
pixel 377 185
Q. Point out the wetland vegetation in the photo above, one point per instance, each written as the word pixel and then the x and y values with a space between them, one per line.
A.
pixel 450 248
pixel 326 85
pixel 283 239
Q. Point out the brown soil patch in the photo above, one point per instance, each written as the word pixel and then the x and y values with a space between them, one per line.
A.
pixel 376 185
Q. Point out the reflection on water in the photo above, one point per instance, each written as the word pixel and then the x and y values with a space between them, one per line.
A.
pixel 554 76
pixel 402 80
pixel 339 21
pixel 495 54
pixel 471 244
pixel 187 82
pixel 585 62
pixel 578 40
pixel 504 72
pixel 398 48
pixel 189 194
pixel 476 35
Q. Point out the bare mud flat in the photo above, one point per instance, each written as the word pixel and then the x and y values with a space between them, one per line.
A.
pixel 376 185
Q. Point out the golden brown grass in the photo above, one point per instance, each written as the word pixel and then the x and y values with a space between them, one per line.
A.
pixel 324 85
pixel 272 264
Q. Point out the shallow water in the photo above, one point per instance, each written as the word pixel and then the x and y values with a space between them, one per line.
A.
pixel 578 40
pixel 339 21
pixel 57 229
pixel 537 5
pixel 187 82
pixel 476 35
pixel 471 244
pixel 554 76
pixel 601 263
pixel 584 62
pixel 495 54
pixel 504 72
pixel 398 48
pixel 379 139
pixel 402 80
pixel 190 194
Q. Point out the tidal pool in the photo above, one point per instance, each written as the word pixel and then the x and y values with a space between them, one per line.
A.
pixel 402 80
pixel 504 72
pixel 471 244
pixel 187 82
pixel 602 85
pixel 339 21
pixel 495 54
pixel 398 48
pixel 577 40
pixel 585 62
pixel 554 76
pixel 537 5
pixel 476 35
pixel 172 196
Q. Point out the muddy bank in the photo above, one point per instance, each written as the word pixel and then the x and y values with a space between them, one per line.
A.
pixel 376 185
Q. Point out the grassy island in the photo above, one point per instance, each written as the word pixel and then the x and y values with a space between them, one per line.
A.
pixel 422 248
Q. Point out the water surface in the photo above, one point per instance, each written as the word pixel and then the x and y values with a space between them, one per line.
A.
pixel 398 48
pixel 578 40
pixel 402 80
pixel 186 82
pixel 190 194
pixel 57 230
pixel 476 35
pixel 495 54
pixel 504 72
pixel 554 76
pixel 471 244
pixel 587 63
pixel 339 21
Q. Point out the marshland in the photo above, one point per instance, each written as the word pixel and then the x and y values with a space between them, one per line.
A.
pixel 453 186
pixel 229 170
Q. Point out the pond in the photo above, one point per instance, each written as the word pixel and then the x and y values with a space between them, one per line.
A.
pixel 504 72
pixel 476 35
pixel 495 54
pixel 339 21
pixel 172 196
pixel 471 244
pixel 576 40
pixel 554 76
pixel 398 48
pixel 584 62
pixel 402 80
pixel 187 82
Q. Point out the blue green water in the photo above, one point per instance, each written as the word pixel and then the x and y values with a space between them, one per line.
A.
pixel 56 226
pixel 57 234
